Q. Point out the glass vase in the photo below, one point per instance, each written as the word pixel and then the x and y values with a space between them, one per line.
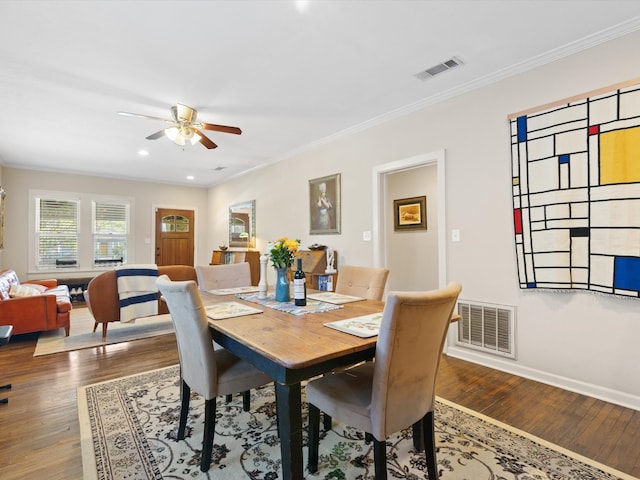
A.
pixel 282 285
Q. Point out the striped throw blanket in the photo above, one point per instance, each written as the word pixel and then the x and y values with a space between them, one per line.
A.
pixel 137 291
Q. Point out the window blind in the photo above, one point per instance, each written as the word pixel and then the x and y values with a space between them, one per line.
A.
pixel 110 229
pixel 57 233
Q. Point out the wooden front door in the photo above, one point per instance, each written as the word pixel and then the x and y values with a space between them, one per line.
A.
pixel 174 236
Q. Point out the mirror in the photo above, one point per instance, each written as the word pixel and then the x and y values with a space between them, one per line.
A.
pixel 242 224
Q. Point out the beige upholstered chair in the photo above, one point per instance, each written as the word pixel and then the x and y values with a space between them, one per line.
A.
pixel 213 277
pixel 362 282
pixel 208 372
pixel 398 389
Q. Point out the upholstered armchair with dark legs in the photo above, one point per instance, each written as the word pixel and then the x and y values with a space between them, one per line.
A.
pixel 208 372
pixel 397 390
pixel 213 277
pixel 365 282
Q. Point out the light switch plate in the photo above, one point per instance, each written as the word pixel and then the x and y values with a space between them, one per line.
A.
pixel 455 235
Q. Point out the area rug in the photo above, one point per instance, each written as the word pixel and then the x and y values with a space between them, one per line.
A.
pixel 128 430
pixel 82 335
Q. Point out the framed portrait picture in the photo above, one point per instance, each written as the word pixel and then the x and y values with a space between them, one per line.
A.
pixel 324 205
pixel 410 213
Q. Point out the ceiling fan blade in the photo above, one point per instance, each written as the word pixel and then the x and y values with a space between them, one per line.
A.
pixel 204 140
pixel 155 136
pixel 128 114
pixel 221 128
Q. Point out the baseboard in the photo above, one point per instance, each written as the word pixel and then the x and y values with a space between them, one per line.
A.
pixel 613 396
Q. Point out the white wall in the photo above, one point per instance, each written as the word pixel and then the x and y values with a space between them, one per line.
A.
pixel 18 182
pixel 580 341
pixel 412 256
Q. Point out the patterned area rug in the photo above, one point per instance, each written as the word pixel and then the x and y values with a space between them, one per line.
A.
pixel 128 428
pixel 83 336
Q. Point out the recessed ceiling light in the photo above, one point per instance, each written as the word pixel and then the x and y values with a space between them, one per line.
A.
pixel 302 5
pixel 143 153
pixel 190 177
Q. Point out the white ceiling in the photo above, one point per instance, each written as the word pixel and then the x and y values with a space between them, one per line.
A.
pixel 290 79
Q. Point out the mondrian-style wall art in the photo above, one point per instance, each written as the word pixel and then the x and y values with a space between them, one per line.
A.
pixel 576 193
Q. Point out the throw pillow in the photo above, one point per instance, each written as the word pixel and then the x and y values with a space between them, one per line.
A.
pixel 35 286
pixel 22 291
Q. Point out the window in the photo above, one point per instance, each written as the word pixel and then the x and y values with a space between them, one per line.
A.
pixel 57 228
pixel 110 233
pixel 79 232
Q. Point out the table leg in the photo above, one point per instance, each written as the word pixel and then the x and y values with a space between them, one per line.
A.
pixel 290 424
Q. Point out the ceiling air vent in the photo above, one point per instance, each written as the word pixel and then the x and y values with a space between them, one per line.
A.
pixel 439 68
pixel 217 169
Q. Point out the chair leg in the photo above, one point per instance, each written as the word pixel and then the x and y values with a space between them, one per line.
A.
pixel 326 422
pixel 104 330
pixel 380 458
pixel 418 439
pixel 185 395
pixel 95 327
pixel 314 437
pixel 209 432
pixel 5 387
pixel 246 400
pixel 429 434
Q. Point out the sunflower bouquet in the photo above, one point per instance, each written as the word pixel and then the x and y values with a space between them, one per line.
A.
pixel 283 251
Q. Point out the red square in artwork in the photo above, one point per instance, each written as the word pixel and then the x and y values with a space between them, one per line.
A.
pixel 594 129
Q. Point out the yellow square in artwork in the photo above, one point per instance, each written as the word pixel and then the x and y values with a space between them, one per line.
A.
pixel 620 156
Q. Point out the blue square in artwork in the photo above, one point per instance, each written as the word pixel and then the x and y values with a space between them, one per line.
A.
pixel 522 128
pixel 626 273
pixel 564 158
pixel 531 285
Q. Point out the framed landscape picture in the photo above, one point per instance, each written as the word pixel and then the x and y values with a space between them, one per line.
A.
pixel 410 213
pixel 324 205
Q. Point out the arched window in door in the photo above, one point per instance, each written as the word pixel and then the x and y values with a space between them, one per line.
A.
pixel 175 223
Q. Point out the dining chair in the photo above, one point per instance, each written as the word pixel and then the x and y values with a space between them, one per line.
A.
pixel 207 371
pixel 397 390
pixel 214 277
pixel 365 282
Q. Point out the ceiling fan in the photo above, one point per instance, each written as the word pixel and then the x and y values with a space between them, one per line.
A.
pixel 185 127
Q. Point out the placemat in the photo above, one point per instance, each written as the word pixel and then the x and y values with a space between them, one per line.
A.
pixel 336 298
pixel 313 306
pixel 223 310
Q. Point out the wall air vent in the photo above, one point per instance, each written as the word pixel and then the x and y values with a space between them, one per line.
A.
pixel 453 62
pixel 486 327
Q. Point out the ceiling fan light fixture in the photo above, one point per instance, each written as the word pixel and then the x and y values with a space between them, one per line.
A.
pixel 180 135
pixel 174 135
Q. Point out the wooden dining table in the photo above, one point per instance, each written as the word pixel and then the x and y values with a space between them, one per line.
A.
pixel 290 349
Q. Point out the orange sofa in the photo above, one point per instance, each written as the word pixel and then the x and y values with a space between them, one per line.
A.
pixel 102 294
pixel 35 306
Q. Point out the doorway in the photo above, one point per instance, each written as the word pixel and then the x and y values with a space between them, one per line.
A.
pixel 174 236
pixel 382 221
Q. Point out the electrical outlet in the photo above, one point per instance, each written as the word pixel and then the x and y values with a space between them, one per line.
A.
pixel 366 236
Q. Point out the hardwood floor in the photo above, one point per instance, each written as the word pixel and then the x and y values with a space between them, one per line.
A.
pixel 39 431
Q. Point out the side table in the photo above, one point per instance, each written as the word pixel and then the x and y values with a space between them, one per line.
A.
pixel 5 335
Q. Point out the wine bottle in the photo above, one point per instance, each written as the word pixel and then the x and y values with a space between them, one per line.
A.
pixel 299 286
